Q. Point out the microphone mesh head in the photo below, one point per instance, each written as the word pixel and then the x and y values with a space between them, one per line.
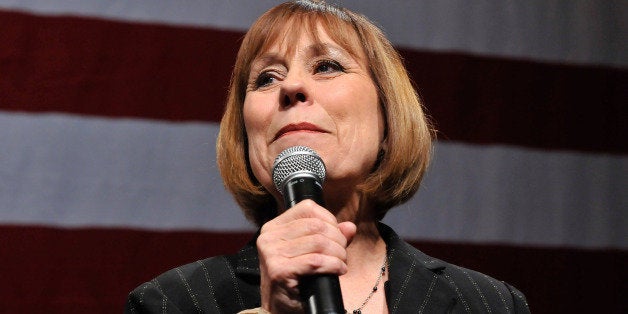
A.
pixel 297 159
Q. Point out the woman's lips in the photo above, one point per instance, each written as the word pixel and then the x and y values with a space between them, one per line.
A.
pixel 298 127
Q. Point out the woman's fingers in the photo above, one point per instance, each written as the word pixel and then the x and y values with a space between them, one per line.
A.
pixel 304 240
pixel 305 227
pixel 308 264
pixel 312 244
pixel 304 209
pixel 348 230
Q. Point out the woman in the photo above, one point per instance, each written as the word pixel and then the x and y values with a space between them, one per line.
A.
pixel 312 74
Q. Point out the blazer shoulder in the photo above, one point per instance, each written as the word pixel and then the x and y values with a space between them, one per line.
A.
pixel 209 285
pixel 478 291
pixel 421 283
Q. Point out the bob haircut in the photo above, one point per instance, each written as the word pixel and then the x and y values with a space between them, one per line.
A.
pixel 407 147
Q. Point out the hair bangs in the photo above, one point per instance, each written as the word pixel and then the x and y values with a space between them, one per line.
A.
pixel 285 25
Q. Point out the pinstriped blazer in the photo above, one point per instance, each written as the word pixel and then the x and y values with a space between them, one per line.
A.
pixel 417 283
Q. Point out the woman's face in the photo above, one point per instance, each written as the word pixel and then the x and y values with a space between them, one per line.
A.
pixel 319 96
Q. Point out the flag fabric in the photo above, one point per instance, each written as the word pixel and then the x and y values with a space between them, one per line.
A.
pixel 109 112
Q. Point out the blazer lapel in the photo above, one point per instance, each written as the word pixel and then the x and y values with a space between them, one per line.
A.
pixel 414 281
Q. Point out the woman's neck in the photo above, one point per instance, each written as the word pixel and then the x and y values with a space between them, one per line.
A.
pixel 356 210
pixel 366 255
pixel 366 246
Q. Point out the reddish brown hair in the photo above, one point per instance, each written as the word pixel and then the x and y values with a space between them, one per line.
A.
pixel 408 134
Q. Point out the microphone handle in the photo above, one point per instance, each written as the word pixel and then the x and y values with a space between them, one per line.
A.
pixel 319 293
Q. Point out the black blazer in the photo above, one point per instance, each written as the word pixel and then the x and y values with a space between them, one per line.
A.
pixel 417 283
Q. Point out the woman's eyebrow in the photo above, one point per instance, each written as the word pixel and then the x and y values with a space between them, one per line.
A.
pixel 318 49
pixel 265 60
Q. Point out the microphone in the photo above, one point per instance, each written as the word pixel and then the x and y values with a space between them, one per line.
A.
pixel 298 174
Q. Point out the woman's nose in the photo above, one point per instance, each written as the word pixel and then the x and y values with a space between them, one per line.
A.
pixel 294 91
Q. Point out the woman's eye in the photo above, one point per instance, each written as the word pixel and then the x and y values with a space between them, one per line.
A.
pixel 327 66
pixel 264 79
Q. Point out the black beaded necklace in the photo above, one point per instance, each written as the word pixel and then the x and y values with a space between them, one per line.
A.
pixel 382 271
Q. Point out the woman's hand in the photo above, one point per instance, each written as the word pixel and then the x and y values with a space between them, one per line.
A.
pixel 304 240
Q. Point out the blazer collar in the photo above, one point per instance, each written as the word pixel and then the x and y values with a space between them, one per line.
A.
pixel 395 246
pixel 412 275
pixel 247 261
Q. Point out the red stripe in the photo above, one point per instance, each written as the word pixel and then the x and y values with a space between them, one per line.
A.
pixel 47 270
pixel 106 68
pixel 92 270
pixel 489 100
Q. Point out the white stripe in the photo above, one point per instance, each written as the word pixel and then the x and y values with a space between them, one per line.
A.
pixel 579 31
pixel 70 171
pixel 514 195
pixel 73 171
